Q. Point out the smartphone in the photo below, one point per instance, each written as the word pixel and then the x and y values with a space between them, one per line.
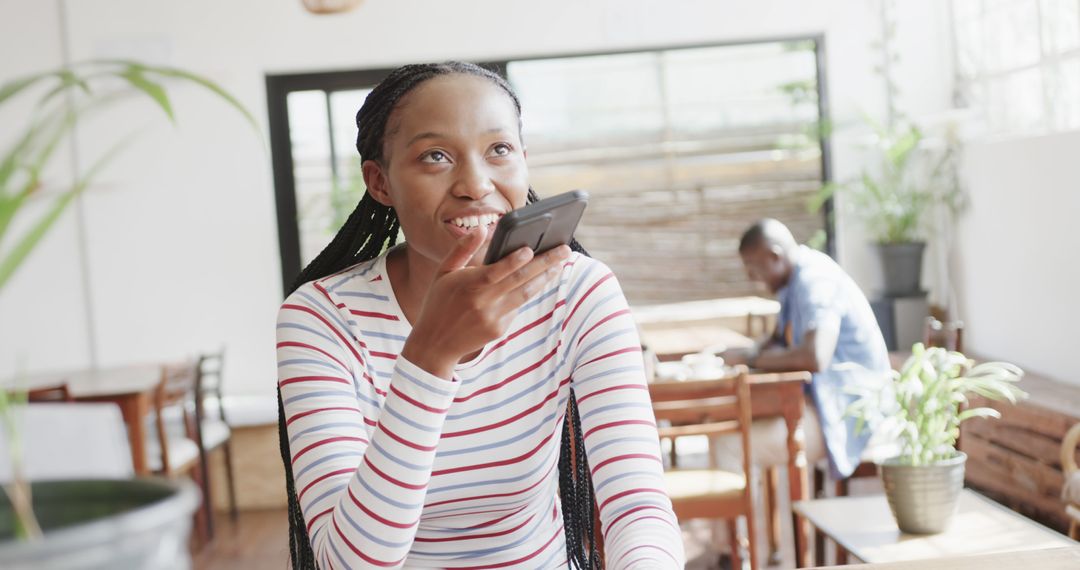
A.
pixel 542 225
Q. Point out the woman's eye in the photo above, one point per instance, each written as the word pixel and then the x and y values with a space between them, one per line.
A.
pixel 501 149
pixel 434 156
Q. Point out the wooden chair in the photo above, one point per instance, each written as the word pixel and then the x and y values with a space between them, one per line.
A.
pixel 213 430
pixel 1070 493
pixel 174 453
pixel 705 407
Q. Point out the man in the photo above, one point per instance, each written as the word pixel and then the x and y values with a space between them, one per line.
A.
pixel 825 326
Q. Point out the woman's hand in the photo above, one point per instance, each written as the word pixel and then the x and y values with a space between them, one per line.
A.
pixel 467 307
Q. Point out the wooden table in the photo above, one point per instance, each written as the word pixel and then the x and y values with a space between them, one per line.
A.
pixel 129 387
pixel 865 528
pixel 771 395
pixel 675 329
pixel 1050 559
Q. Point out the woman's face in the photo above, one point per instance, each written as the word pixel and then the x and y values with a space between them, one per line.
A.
pixel 453 160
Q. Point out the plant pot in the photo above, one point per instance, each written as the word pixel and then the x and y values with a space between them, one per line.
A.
pixel 103 524
pixel 901 266
pixel 923 498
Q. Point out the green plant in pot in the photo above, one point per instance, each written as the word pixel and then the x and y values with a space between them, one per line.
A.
pixel 896 196
pixel 922 408
pixel 139 523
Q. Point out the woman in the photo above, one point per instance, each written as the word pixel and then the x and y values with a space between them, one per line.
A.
pixel 424 394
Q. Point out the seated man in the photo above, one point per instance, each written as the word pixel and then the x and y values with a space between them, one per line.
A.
pixel 825 326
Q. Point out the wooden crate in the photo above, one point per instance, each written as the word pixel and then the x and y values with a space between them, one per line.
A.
pixel 1016 459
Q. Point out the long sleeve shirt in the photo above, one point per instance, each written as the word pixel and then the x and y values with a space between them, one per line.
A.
pixel 820 291
pixel 395 467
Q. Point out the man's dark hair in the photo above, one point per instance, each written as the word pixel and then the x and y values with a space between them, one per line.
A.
pixel 766 231
pixel 369 230
pixel 752 237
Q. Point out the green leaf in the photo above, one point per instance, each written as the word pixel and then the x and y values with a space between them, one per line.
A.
pixel 14 258
pixel 214 87
pixel 68 79
pixel 900 150
pixel 12 88
pixel 135 76
pixel 815 202
pixel 979 413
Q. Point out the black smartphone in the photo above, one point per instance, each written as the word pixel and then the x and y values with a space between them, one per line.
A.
pixel 541 225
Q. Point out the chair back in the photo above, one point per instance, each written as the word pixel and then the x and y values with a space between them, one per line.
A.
pixel 706 407
pixel 945 334
pixel 208 383
pixel 176 388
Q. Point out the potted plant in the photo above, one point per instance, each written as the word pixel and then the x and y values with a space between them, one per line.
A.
pixel 140 523
pixel 922 409
pixel 896 196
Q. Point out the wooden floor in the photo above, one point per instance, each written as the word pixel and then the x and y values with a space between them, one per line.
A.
pixel 257 541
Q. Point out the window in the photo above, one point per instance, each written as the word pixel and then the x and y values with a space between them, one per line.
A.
pixel 680 149
pixel 1018 63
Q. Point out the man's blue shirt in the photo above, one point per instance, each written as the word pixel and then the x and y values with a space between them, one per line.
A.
pixel 820 292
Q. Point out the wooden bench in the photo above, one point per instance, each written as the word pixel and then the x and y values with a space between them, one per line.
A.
pixel 1016 459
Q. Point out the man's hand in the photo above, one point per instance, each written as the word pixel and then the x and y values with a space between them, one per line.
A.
pixel 737 356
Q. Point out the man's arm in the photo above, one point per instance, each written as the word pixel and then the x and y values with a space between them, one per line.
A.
pixel 813 354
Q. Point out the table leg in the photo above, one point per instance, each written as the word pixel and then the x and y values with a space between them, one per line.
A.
pixel 134 410
pixel 797 476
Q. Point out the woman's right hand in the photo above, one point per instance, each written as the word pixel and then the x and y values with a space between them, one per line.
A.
pixel 468 307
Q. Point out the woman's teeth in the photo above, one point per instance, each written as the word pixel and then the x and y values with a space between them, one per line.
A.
pixel 474 221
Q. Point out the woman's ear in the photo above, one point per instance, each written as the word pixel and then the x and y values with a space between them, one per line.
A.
pixel 375 180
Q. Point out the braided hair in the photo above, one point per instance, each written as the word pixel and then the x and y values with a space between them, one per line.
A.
pixel 370 229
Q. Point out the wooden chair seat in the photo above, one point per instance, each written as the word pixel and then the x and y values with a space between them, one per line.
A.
pixel 703 485
pixel 183 455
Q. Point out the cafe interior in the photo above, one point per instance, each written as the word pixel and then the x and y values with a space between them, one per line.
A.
pixel 170 168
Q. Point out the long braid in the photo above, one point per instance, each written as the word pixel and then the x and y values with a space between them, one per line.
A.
pixel 575 479
pixel 369 230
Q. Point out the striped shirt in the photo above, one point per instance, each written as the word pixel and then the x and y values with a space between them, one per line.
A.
pixel 395 467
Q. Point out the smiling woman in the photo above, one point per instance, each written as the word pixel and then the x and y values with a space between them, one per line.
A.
pixel 422 392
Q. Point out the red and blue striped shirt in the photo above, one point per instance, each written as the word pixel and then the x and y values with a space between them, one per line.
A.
pixel 395 467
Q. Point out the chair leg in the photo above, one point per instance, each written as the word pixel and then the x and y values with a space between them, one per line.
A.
pixel 201 474
pixel 819 537
pixel 733 540
pixel 842 488
pixel 751 541
pixel 772 515
pixel 841 555
pixel 234 512
pixel 203 529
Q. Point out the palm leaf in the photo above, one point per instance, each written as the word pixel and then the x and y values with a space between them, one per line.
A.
pixel 210 85
pixel 14 258
pixel 68 79
pixel 135 75
pixel 12 88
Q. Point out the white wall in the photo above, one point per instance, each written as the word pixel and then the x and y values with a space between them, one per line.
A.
pixel 1018 269
pixel 182 237
pixel 41 310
